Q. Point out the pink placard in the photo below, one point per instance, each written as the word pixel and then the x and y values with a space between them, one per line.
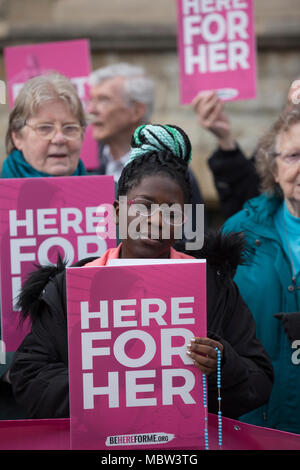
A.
pixel 132 385
pixel 54 434
pixel 41 217
pixel 71 58
pixel 35 434
pixel 217 49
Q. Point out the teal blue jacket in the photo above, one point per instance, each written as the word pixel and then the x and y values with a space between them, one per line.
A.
pixel 265 283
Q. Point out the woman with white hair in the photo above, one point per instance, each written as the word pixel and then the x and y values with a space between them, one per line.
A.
pixel 45 130
pixel 270 282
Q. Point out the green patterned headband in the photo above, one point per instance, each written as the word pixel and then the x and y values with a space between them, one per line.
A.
pixel 151 138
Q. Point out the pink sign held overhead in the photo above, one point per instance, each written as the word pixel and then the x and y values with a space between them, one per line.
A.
pixel 70 58
pixel 132 384
pixel 41 217
pixel 217 49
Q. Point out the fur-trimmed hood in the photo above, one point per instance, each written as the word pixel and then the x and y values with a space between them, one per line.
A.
pixel 34 286
pixel 224 252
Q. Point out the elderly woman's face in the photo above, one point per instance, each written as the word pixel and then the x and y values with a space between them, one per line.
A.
pixel 287 173
pixel 56 154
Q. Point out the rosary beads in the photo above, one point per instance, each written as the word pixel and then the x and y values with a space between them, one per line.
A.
pixel 220 439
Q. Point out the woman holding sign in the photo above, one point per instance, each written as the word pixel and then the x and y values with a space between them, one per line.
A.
pixel 44 139
pixel 156 176
pixel 45 131
pixel 270 283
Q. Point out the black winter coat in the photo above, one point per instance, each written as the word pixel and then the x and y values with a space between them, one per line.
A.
pixel 39 373
pixel 235 178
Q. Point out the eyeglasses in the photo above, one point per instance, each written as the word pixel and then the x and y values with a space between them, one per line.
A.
pixel 47 130
pixel 289 159
pixel 170 214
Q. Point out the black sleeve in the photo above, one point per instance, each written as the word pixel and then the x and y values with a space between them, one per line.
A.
pixel 197 198
pixel 39 372
pixel 235 178
pixel 247 372
pixel 291 324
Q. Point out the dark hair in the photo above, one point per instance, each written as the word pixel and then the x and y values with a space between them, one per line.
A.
pixel 158 149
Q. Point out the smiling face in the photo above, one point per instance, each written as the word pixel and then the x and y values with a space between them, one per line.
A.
pixel 287 174
pixel 156 189
pixel 58 156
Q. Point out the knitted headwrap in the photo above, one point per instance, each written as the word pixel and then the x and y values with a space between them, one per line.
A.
pixel 150 138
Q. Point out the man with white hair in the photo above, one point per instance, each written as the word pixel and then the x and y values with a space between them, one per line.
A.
pixel 121 99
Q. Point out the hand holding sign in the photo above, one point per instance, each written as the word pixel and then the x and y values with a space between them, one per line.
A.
pixel 212 117
pixel 128 333
pixel 294 92
pixel 203 352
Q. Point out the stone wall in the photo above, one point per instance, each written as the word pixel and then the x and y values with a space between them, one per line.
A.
pixel 144 32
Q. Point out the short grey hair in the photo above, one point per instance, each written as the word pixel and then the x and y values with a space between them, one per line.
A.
pixel 137 86
pixel 35 93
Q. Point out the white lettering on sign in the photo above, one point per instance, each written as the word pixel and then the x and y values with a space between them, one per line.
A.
pixel 114 328
pixel 215 36
pixel 36 234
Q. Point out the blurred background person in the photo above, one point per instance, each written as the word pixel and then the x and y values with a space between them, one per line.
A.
pixel 121 99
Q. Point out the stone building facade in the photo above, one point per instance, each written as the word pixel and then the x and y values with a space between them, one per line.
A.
pixel 143 32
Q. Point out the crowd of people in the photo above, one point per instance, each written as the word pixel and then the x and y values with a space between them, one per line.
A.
pixel 253 261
